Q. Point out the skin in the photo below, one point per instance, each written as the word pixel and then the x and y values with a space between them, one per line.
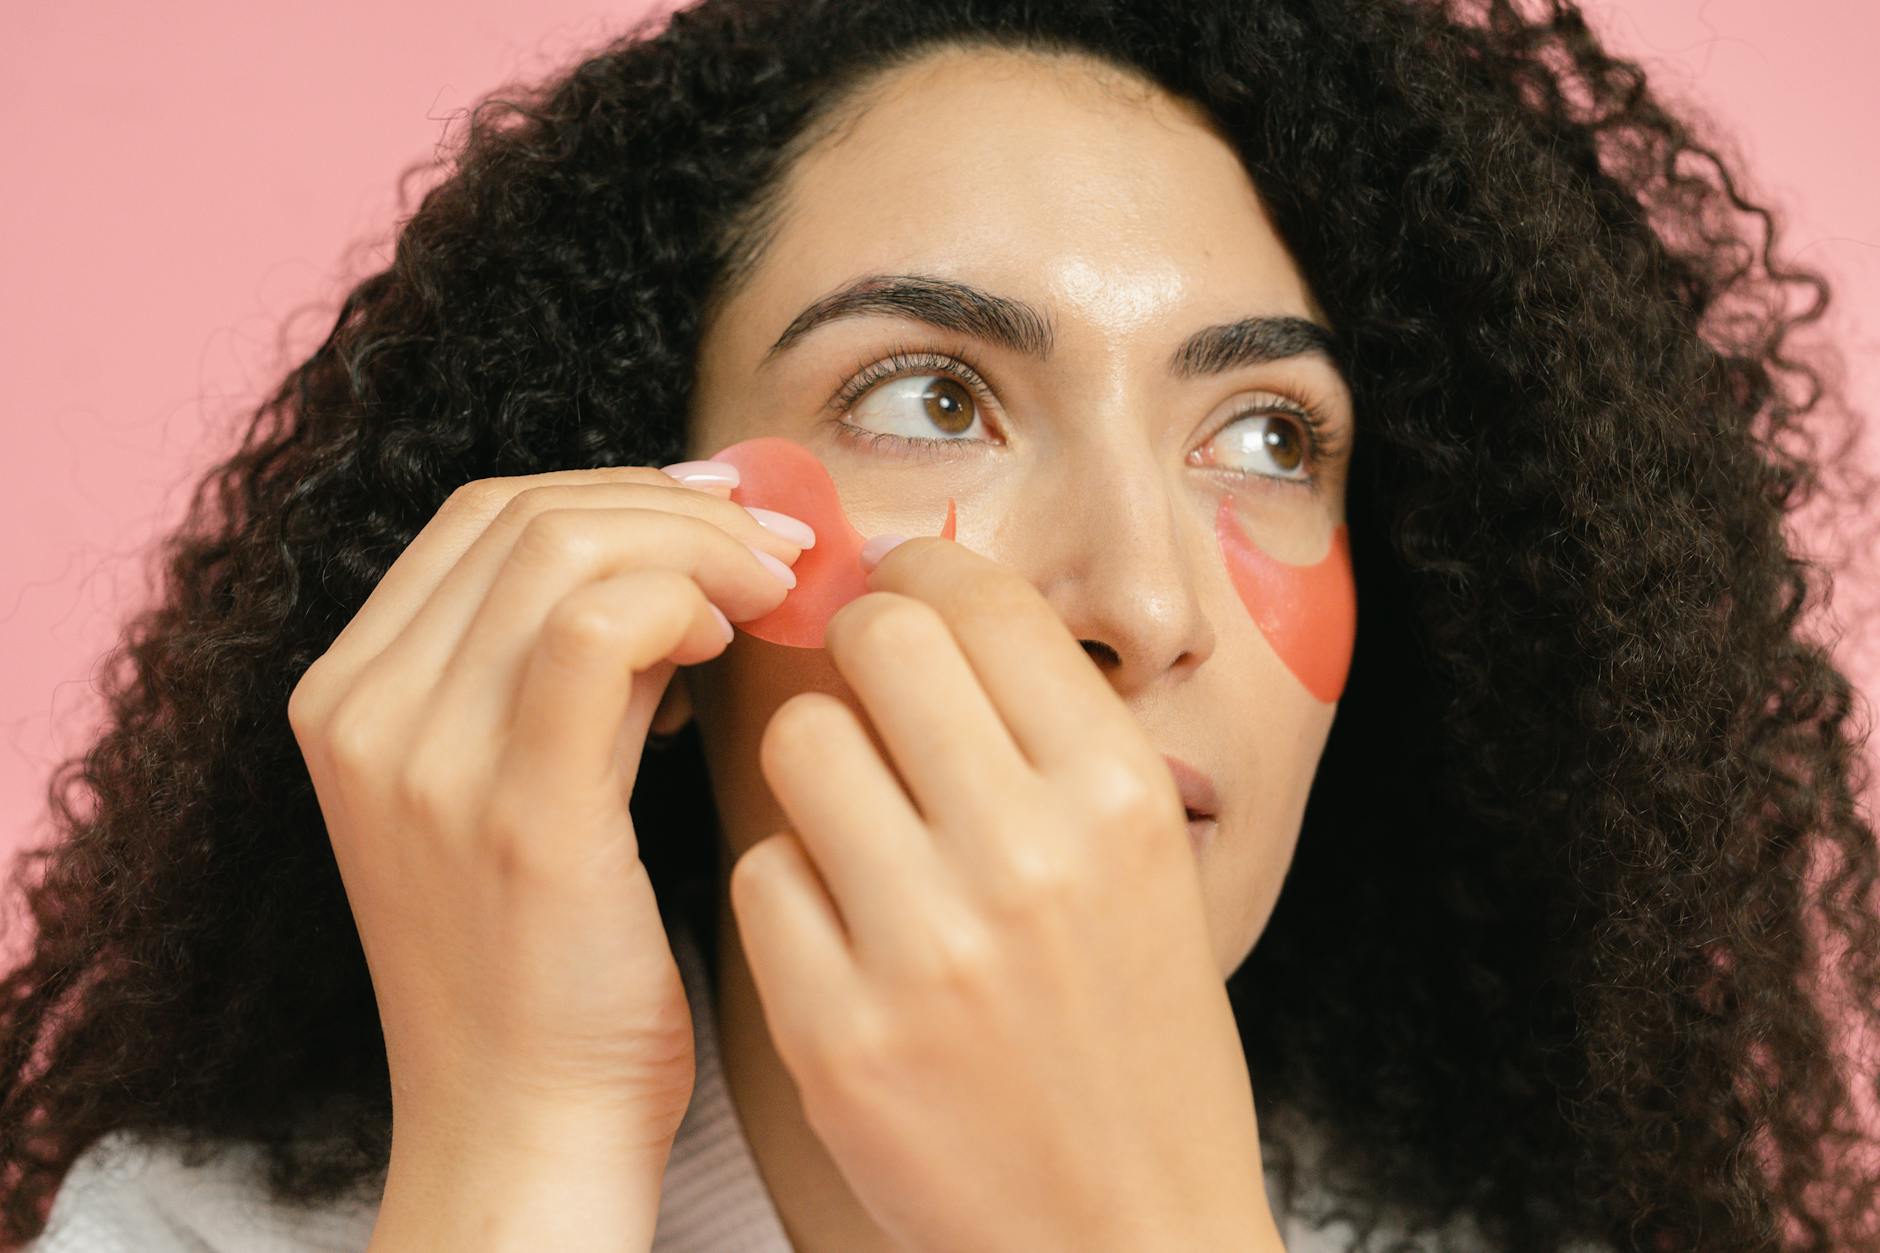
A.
pixel 1093 483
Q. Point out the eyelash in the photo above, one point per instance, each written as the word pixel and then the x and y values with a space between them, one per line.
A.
pixel 902 359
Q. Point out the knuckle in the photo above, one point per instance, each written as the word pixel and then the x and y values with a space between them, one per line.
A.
pixel 557 537
pixel 857 1057
pixel 519 506
pixel 1027 876
pixel 479 497
pixel 999 600
pixel 1149 805
pixel 510 837
pixel 811 719
pixel 749 865
pixel 351 734
pixel 581 627
pixel 423 791
pixel 1117 794
pixel 885 620
pixel 822 1110
pixel 517 856
pixel 505 822
pixel 954 956
pixel 306 701
pixel 756 863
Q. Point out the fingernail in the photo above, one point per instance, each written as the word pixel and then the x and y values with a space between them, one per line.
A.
pixel 776 567
pixel 877 548
pixel 704 473
pixel 795 530
pixel 722 620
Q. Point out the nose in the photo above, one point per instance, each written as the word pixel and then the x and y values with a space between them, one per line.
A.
pixel 1117 542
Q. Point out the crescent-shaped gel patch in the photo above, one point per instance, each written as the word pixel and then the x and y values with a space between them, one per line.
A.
pixel 1309 614
pixel 781 474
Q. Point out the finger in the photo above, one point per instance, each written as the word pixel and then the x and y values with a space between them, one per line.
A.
pixel 869 844
pixel 425 600
pixel 564 548
pixel 1056 702
pixel 455 527
pixel 793 942
pixel 444 617
pixel 945 735
pixel 581 713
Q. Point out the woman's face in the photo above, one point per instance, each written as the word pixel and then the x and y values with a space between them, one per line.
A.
pixel 1106 224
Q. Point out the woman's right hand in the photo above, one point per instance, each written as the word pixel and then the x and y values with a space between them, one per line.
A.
pixel 473 736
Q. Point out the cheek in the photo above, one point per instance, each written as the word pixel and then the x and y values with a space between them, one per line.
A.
pixel 781 474
pixel 1308 613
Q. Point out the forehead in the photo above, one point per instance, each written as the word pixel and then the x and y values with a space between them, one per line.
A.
pixel 1052 178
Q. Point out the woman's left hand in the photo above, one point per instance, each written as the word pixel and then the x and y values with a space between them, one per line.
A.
pixel 994 984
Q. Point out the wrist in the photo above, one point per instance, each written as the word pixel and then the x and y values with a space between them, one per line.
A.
pixel 554 1183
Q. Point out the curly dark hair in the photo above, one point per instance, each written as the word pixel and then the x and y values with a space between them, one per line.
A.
pixel 1550 953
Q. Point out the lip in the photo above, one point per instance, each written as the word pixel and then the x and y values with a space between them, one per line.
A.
pixel 1197 789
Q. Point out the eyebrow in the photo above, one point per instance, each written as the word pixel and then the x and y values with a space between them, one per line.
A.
pixel 1021 328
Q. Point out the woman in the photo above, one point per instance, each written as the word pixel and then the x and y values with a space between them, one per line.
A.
pixel 899 943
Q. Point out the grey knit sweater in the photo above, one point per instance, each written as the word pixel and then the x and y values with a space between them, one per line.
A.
pixel 125 1195
pixel 128 1196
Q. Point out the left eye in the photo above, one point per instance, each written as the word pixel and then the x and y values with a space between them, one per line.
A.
pixel 1285 446
pixel 915 406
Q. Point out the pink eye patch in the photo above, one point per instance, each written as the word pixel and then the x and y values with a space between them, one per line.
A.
pixel 1308 614
pixel 781 474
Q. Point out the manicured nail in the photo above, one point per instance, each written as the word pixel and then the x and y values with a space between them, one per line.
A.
pixel 722 620
pixel 877 548
pixel 704 473
pixel 795 530
pixel 771 564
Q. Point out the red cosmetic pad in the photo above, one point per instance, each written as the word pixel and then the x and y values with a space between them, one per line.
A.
pixel 1309 614
pixel 781 474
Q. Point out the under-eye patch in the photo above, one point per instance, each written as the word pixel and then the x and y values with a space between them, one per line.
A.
pixel 781 474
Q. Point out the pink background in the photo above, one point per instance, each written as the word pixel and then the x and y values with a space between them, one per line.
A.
pixel 187 182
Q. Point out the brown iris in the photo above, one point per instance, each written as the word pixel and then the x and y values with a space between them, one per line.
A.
pixel 1289 440
pixel 949 405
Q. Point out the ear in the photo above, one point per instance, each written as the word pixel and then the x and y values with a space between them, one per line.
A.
pixel 675 707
